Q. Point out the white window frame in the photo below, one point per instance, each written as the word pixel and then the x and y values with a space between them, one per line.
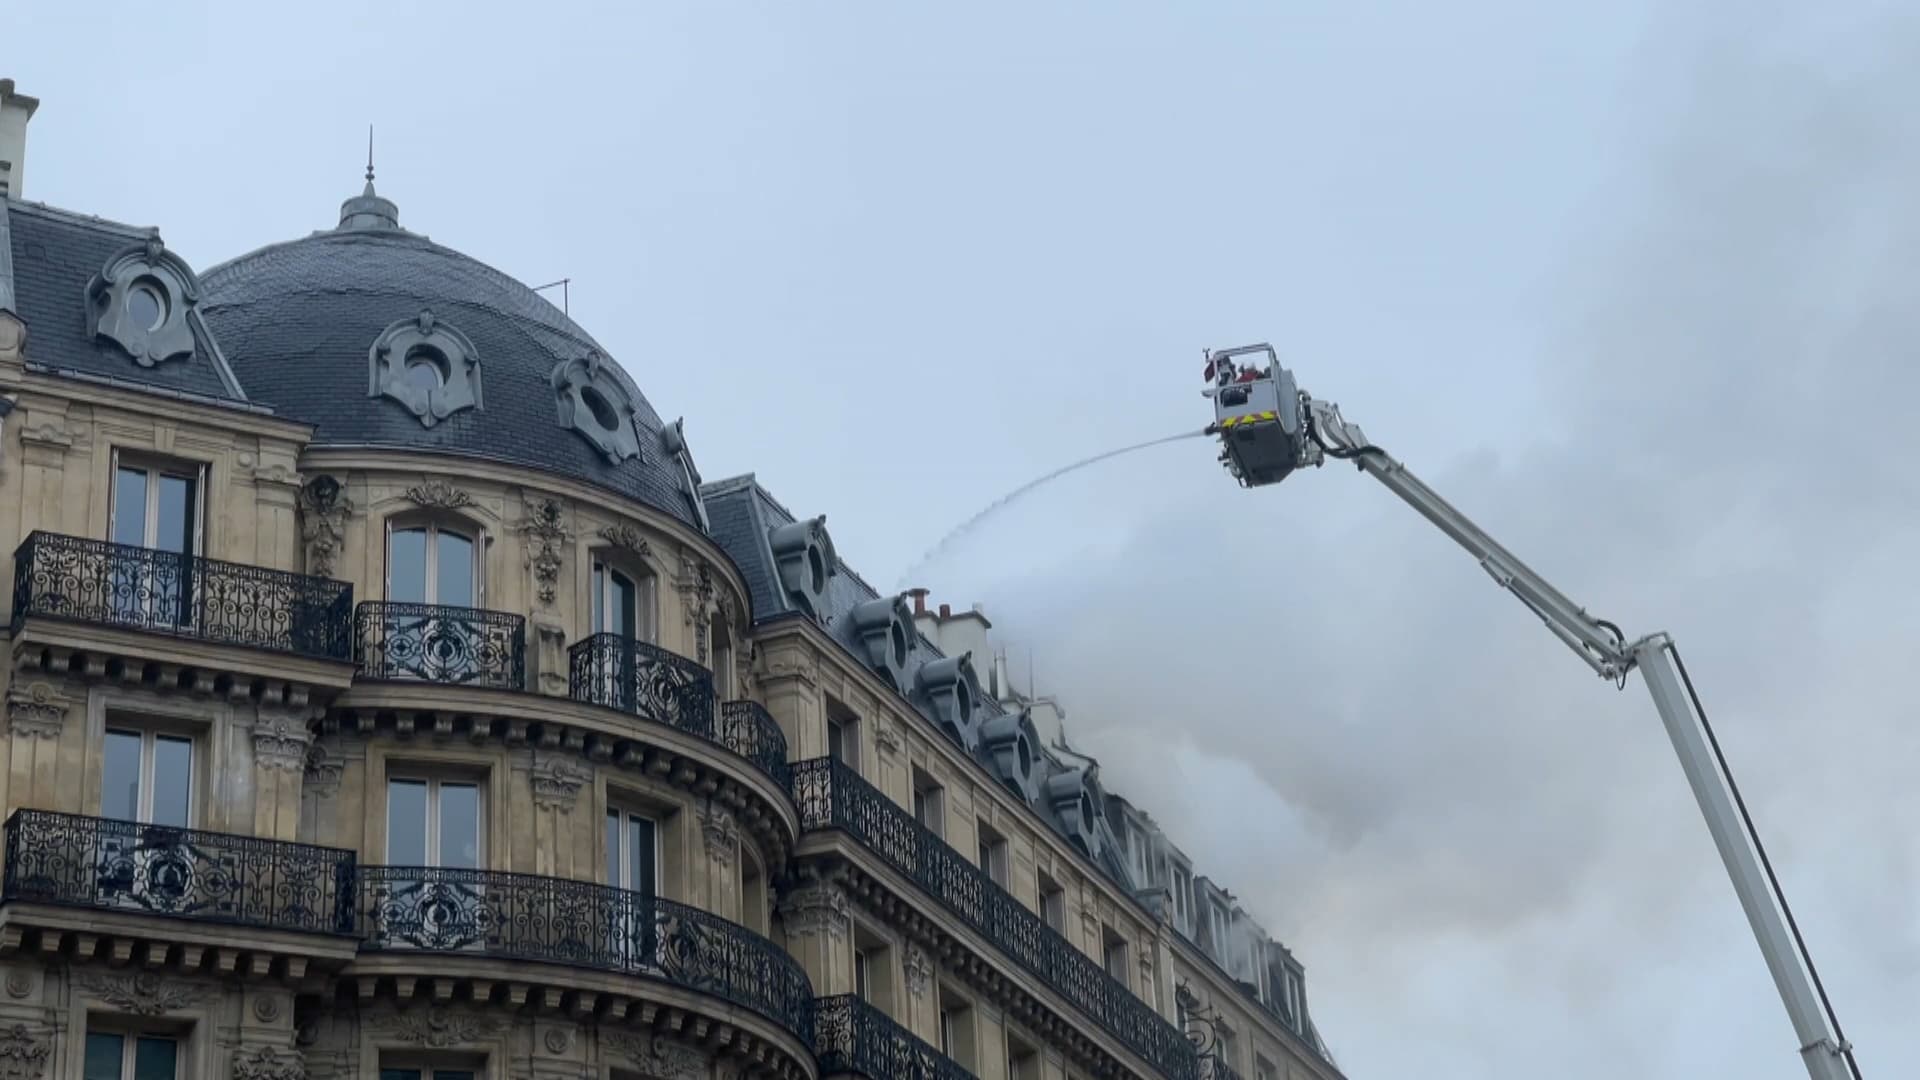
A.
pixel 129 1042
pixel 434 785
pixel 155 467
pixel 626 814
pixel 149 738
pixel 430 565
pixel 929 800
pixel 1053 901
pixel 1182 885
pixel 995 853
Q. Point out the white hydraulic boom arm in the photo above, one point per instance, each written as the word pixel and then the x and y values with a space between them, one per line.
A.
pixel 1318 432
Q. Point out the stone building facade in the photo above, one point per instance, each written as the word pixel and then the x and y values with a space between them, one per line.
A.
pixel 389 699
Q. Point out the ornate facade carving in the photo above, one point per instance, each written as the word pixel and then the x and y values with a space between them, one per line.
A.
pixel 322 771
pixel 557 1040
pixel 142 993
pixel 886 737
pixel 545 535
pixel 721 834
pixel 919 970
pixel 324 508
pixel 24 1052
pixel 817 909
pixel 266 1008
pixel 140 300
pixel 438 495
pixel 33 712
pixel 656 1057
pixel 427 366
pixel 280 741
pixel 593 401
pixel 268 1063
pixel 625 538
pixel 436 1027
pixel 556 784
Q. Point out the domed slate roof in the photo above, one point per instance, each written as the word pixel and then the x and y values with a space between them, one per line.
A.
pixel 379 337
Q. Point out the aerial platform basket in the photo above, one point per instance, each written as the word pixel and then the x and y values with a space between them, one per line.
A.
pixel 1257 414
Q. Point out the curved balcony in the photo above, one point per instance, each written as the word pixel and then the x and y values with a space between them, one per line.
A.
pixel 70 861
pixel 647 681
pixel 75 579
pixel 851 1036
pixel 435 643
pixel 831 796
pixel 581 924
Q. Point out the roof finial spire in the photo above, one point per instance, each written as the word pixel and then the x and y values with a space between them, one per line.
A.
pixel 368 210
pixel 369 159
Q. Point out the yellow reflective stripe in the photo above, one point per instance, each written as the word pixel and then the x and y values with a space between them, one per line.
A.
pixel 1250 418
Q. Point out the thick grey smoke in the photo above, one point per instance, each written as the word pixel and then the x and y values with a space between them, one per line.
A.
pixel 1486 857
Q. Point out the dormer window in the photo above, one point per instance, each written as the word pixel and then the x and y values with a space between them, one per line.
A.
pixel 139 301
pixel 427 366
pixel 593 402
pixel 803 556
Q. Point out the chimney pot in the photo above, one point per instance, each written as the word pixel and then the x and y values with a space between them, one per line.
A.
pixel 946 611
pixel 15 110
pixel 919 600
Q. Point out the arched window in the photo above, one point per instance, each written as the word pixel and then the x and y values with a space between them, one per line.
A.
pixel 623 602
pixel 432 564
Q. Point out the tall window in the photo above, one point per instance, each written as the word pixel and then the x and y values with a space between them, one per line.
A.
pixel 1114 954
pixel 434 822
pixel 1218 916
pixel 720 641
pixel 429 564
pixel 993 854
pixel 116 1056
pixel 156 507
pixel 148 777
pixel 956 1028
pixel 1053 904
pixel 616 602
pixel 843 735
pixel 1183 899
pixel 929 802
pixel 632 862
pixel 1023 1059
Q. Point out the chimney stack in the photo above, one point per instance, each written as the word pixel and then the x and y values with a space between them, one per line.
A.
pixel 15 111
pixel 919 600
pixel 946 611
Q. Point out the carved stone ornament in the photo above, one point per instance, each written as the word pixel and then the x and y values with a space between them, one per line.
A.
pixel 887 738
pixel 139 301
pixel 19 983
pixel 142 993
pixel 557 1040
pixel 437 1028
pixel 595 403
pixel 323 771
pixel 626 538
pixel 722 836
pixel 268 1063
pixel 24 1052
pixel 438 495
pixel 695 585
pixel 280 742
pixel 656 1057
pixel 919 970
pixel 266 1008
pixel 427 366
pixel 556 784
pixel 817 909
pixel 34 713
pixel 323 523
pixel 545 535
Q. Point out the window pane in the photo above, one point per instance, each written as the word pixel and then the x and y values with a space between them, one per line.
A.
pixel 599 598
pixel 120 776
pixel 155 1059
pixel 103 1057
pixel 454 576
pixel 625 605
pixel 174 532
pixel 460 826
pixel 406 823
pixel 640 854
pixel 613 848
pixel 407 566
pixel 172 780
pixel 130 507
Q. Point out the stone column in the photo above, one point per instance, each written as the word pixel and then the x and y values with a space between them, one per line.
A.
pixel 819 928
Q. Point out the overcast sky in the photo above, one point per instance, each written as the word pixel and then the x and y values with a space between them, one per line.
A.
pixel 1638 285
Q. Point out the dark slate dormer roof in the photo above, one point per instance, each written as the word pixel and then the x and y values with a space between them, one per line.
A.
pixel 301 318
pixel 55 254
pixel 743 513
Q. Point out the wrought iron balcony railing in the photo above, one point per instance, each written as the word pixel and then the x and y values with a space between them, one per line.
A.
pixel 458 646
pixel 93 581
pixel 831 796
pixel 851 1036
pixel 646 680
pixel 87 862
pixel 580 924
pixel 748 730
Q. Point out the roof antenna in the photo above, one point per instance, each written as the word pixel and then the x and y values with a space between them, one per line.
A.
pixel 564 284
